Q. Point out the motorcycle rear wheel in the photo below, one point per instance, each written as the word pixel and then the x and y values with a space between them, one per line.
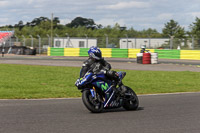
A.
pixel 131 101
pixel 91 104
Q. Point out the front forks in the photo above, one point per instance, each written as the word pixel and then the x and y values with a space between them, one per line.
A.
pixel 93 92
pixel 95 96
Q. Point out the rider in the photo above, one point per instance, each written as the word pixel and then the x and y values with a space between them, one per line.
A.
pixel 96 63
pixel 143 49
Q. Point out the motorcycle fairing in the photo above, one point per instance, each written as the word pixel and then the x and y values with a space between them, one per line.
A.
pixel 101 82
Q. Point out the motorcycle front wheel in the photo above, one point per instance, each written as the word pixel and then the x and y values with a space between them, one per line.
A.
pixel 131 101
pixel 92 104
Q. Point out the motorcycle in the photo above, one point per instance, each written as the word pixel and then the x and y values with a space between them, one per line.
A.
pixel 99 93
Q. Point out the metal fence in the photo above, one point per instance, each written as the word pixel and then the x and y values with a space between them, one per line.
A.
pixel 187 44
pixel 42 44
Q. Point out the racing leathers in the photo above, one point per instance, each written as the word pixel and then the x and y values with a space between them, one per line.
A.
pixel 97 66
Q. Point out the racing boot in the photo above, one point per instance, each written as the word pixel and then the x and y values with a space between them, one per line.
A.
pixel 122 90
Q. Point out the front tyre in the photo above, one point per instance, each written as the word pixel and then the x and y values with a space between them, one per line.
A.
pixel 93 105
pixel 131 101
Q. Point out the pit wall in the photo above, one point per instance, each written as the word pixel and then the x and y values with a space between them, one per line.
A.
pixel 127 53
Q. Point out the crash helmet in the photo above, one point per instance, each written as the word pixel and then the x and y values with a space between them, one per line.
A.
pixel 95 53
pixel 143 46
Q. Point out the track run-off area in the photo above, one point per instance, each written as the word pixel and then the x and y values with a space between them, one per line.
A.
pixel 160 113
pixel 116 63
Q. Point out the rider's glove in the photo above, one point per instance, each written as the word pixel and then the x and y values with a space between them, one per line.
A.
pixel 113 74
pixel 103 71
pixel 77 82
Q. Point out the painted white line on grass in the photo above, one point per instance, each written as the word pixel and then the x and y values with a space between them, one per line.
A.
pixel 79 98
pixel 177 93
pixel 43 99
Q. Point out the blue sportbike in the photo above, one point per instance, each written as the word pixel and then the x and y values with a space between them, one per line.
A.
pixel 98 93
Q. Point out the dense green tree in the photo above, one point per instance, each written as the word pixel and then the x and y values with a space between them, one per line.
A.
pixel 79 21
pixel 195 28
pixel 172 28
pixel 195 31
pixel 151 33
pixel 20 25
pixel 56 22
pixel 176 33
pixel 80 27
pixel 37 21
pixel 45 25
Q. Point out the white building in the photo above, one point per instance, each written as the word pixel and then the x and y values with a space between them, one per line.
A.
pixel 61 42
pixel 138 42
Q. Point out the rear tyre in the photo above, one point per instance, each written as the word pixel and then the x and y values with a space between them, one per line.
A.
pixel 91 104
pixel 131 101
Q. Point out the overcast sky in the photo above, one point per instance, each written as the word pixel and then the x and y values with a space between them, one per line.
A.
pixel 139 14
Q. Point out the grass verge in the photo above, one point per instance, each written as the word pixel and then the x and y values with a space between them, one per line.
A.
pixel 26 81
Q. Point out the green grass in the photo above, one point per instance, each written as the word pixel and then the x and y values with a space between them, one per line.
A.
pixel 25 81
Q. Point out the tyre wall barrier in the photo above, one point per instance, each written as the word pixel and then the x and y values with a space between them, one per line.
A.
pixel 71 51
pixel 154 58
pixel 168 54
pixel 126 53
pixel 18 50
pixel 56 51
pixel 49 51
pixel 83 52
pixel 106 52
pixel 132 53
pixel 119 53
pixel 146 58
pixel 190 54
pixel 139 58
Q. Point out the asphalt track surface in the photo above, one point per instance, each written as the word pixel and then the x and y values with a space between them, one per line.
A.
pixel 116 63
pixel 174 113
pixel 171 113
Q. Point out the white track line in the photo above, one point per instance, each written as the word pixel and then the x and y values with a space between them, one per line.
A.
pixel 78 98
pixel 177 93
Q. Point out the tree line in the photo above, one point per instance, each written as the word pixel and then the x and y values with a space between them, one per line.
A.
pixel 82 27
pixel 79 27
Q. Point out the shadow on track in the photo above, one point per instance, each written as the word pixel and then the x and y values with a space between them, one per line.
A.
pixel 119 110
